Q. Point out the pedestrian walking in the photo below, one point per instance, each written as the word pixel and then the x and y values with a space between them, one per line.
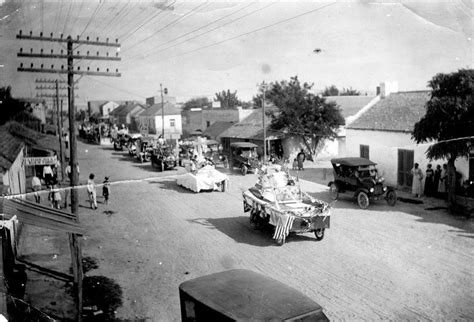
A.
pixel 301 157
pixel 91 189
pixel 36 185
pixel 442 181
pixel 429 180
pixel 416 186
pixel 106 190
pixel 56 195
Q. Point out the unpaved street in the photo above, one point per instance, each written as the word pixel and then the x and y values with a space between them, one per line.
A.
pixel 401 263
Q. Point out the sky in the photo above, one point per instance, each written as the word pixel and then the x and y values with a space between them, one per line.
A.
pixel 197 48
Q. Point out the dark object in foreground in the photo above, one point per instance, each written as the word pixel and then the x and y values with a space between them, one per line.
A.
pixel 360 177
pixel 243 295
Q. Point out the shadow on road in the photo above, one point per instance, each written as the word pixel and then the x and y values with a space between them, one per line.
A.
pixel 239 229
pixel 171 185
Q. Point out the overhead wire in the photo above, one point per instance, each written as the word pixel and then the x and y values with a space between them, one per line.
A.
pixel 123 28
pixel 249 32
pixel 128 35
pixel 110 25
pixel 172 23
pixel 200 28
pixel 67 17
pixel 99 6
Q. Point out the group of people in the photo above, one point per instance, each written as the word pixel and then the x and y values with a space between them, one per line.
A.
pixel 435 181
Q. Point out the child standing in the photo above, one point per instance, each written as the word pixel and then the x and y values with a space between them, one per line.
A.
pixel 92 191
pixel 106 190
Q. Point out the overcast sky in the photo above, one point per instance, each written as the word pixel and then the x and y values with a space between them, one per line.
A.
pixel 199 48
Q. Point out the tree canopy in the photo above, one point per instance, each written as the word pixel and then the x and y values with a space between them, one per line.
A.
pixel 349 92
pixel 302 113
pixel 198 102
pixel 331 91
pixel 9 106
pixel 227 98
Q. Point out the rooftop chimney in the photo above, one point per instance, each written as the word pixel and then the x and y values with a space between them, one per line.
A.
pixel 386 88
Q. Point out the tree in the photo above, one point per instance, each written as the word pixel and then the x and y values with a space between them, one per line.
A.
pixel 227 99
pixel 449 121
pixel 9 106
pixel 198 102
pixel 349 92
pixel 303 114
pixel 331 91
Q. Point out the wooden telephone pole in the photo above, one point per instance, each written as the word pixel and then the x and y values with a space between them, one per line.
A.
pixel 74 241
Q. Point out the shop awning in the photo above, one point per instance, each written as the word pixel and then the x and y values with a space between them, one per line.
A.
pixel 35 214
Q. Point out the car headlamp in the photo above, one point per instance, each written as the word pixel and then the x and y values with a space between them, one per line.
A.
pixel 371 190
pixel 384 188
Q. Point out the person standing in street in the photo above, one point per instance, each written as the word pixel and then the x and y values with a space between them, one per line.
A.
pixel 91 189
pixel 442 181
pixel 47 174
pixel 429 180
pixel 436 178
pixel 301 157
pixel 36 185
pixel 417 180
pixel 106 190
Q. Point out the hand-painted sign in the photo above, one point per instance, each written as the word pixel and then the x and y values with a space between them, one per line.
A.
pixel 40 160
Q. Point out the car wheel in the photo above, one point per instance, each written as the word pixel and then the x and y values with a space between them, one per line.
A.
pixel 363 200
pixel 280 241
pixel 319 234
pixel 147 158
pixel 244 169
pixel 333 191
pixel 391 198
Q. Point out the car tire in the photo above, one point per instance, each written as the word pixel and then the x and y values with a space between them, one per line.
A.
pixel 244 169
pixel 333 191
pixel 363 200
pixel 280 241
pixel 391 198
pixel 319 234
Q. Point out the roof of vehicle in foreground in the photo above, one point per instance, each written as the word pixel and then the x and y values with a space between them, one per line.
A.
pixel 245 295
pixel 352 161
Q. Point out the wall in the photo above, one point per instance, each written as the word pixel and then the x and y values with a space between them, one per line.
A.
pixel 191 121
pixel 326 150
pixel 223 115
pixel 176 130
pixel 108 107
pixel 15 176
pixel 383 149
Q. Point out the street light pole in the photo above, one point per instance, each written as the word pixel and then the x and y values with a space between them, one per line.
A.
pixel 264 87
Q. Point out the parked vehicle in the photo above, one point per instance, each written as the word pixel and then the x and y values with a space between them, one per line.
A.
pixel 132 143
pixel 186 151
pixel 243 155
pixel 119 140
pixel 359 177
pixel 243 295
pixel 213 153
pixel 163 158
pixel 277 200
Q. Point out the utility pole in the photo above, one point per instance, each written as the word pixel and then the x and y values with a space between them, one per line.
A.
pixel 163 111
pixel 74 241
pixel 60 131
pixel 264 87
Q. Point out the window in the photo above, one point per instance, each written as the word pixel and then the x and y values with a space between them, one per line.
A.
pixel 171 122
pixel 364 151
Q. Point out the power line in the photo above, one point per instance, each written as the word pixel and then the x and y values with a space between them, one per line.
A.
pixel 117 88
pixel 148 20
pixel 203 33
pixel 67 17
pixel 200 28
pixel 250 32
pixel 171 23
pixel 90 20
pixel 109 25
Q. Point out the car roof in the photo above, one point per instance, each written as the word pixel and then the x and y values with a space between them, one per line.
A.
pixel 354 162
pixel 245 295
pixel 243 145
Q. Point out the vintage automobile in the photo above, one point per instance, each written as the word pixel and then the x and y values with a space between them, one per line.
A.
pixel 186 151
pixel 243 155
pixel 213 153
pixel 206 178
pixel 144 148
pixel 163 158
pixel 132 143
pixel 243 295
pixel 359 177
pixel 277 200
pixel 119 139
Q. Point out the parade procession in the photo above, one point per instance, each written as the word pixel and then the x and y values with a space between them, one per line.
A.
pixel 172 160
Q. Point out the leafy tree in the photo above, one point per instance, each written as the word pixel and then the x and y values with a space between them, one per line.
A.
pixel 349 92
pixel 228 99
pixel 331 91
pixel 9 106
pixel 198 102
pixel 449 121
pixel 303 114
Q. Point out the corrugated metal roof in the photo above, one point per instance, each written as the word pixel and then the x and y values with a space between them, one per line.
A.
pixel 33 138
pixel 397 112
pixel 42 216
pixel 217 128
pixel 124 109
pixel 155 110
pixel 10 147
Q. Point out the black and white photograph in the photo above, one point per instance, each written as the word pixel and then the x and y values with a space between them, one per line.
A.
pixel 192 160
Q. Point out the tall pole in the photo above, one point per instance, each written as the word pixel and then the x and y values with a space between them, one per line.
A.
pixel 60 131
pixel 162 113
pixel 74 241
pixel 263 123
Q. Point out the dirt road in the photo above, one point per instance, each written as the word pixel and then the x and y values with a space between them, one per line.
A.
pixel 389 263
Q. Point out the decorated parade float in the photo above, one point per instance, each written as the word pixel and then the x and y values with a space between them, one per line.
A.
pixel 277 200
pixel 205 178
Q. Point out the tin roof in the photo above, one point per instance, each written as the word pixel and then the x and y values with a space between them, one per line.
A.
pixel 11 147
pixel 155 110
pixel 217 128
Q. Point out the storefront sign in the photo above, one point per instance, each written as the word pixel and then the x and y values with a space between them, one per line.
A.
pixel 40 160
